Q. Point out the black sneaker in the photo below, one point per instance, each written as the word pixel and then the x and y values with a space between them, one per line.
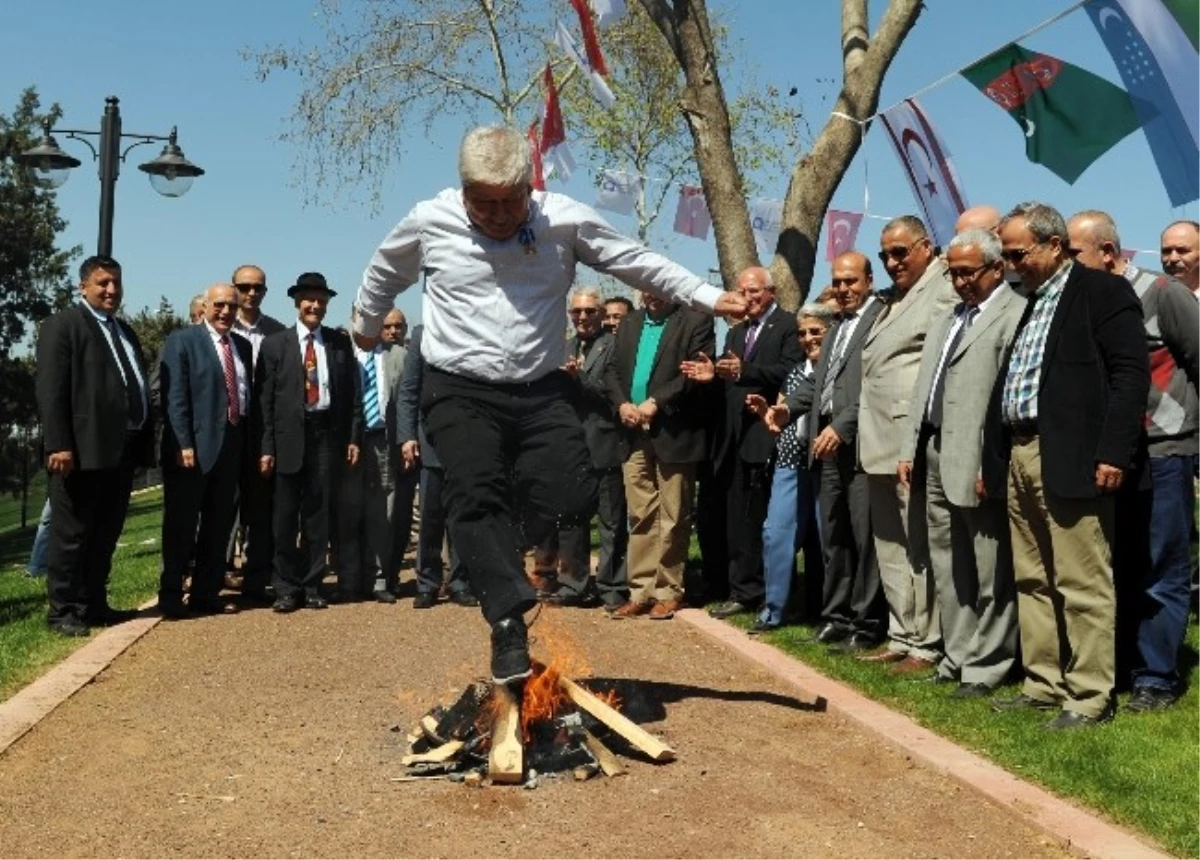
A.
pixel 424 600
pixel 1145 699
pixel 510 651
pixel 463 597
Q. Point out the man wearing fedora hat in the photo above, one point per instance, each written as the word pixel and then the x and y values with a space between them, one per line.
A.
pixel 498 259
pixel 306 388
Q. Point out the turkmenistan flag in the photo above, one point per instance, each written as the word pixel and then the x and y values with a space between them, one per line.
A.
pixel 1070 116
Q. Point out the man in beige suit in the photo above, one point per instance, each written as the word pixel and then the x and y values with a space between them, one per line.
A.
pixel 891 357
pixel 963 470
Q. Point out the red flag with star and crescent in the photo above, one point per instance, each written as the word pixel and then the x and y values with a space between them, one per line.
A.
pixel 927 165
pixel 535 146
pixel 841 229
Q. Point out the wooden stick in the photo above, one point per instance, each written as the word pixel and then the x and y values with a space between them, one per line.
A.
pixel 429 778
pixel 506 760
pixel 434 756
pixel 608 762
pixel 626 728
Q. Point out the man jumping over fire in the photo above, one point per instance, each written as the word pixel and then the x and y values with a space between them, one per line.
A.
pixel 498 259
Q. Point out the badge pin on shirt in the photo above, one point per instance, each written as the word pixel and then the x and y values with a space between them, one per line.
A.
pixel 526 238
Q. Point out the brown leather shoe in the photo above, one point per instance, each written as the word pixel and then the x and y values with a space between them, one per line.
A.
pixel 664 609
pixel 881 655
pixel 910 665
pixel 632 610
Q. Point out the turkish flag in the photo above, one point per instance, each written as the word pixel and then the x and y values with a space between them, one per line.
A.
pixel 535 147
pixel 841 229
pixel 556 155
pixel 928 167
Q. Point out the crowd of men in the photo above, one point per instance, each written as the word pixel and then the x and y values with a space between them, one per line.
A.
pixel 953 452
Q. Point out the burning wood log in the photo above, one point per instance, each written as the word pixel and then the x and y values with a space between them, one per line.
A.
pixel 445 752
pixel 506 760
pixel 626 728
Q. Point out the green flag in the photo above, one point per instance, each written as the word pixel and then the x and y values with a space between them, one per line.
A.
pixel 1070 116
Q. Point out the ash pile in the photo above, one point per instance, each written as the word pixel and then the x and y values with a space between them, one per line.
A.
pixel 550 727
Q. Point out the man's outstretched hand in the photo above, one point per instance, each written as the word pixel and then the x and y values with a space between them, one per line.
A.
pixel 699 369
pixel 364 342
pixel 731 305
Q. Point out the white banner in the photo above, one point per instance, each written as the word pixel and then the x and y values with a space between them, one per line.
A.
pixel 619 191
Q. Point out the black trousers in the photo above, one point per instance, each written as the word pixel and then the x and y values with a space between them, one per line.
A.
pixel 746 511
pixel 852 594
pixel 192 498
pixel 506 447
pixel 302 507
pixel 711 499
pixel 405 495
pixel 575 545
pixel 87 514
pixel 256 501
pixel 432 534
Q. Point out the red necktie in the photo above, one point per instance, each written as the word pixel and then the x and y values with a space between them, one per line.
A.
pixel 233 409
pixel 312 380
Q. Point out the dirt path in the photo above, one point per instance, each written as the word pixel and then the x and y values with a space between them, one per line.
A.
pixel 261 735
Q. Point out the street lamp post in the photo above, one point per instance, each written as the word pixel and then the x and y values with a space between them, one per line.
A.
pixel 49 166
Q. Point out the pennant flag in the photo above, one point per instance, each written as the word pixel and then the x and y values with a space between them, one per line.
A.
pixel 556 155
pixel 928 167
pixel 1070 117
pixel 591 42
pixel 766 216
pixel 1127 254
pixel 535 148
pixel 691 214
pixel 619 191
pixel 1155 53
pixel 599 86
pixel 841 229
pixel 608 12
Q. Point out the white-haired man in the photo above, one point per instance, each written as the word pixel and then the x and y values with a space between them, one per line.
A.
pixel 498 260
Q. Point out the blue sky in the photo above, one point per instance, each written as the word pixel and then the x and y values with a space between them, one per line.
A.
pixel 181 65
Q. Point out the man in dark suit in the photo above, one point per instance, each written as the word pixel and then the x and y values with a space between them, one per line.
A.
pixel 663 440
pixel 307 390
pixel 91 392
pixel 206 381
pixel 590 352
pixel 255 492
pixel 758 357
pixel 852 607
pixel 1073 402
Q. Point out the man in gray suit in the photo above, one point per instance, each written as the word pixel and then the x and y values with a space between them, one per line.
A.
pixel 962 469
pixel 366 490
pixel 851 603
pixel 891 357
pixel 590 351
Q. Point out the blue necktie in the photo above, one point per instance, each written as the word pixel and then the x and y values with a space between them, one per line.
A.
pixel 371 394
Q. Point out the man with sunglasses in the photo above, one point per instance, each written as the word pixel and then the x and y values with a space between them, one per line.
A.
pixel 498 259
pixel 255 493
pixel 944 448
pixel 1074 396
pixel 1152 559
pixel 891 359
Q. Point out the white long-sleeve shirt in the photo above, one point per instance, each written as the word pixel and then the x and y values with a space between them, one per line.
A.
pixel 493 310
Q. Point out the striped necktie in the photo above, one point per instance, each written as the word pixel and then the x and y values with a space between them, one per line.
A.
pixel 371 394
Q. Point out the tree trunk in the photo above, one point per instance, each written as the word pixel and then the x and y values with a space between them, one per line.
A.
pixel 819 173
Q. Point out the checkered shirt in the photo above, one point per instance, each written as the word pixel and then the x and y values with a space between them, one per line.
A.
pixel 1020 401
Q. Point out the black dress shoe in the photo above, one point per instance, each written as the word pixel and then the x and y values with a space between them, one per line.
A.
pixel 384 596
pixel 1145 699
pixel 211 606
pixel 760 626
pixel 510 651
pixel 728 609
pixel 286 603
pixel 463 597
pixel 173 609
pixel 70 626
pixel 315 601
pixel 1073 720
pixel 972 691
pixel 854 644
pixel 828 633
pixel 424 600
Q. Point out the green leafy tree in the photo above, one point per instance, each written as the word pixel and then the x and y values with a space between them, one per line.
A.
pixel 153 326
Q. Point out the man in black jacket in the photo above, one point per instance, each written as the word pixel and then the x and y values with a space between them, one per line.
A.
pixel 307 389
pixel 1073 400
pixel 91 392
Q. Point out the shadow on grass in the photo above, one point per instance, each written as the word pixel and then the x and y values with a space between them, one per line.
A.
pixel 20 607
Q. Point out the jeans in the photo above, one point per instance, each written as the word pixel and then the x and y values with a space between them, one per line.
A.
pixel 788 515
pixel 41 541
pixel 1164 600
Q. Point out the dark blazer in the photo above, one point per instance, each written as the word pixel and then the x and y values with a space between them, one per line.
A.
pixel 407 404
pixel 678 432
pixel 601 428
pixel 776 351
pixel 279 393
pixel 81 394
pixel 193 394
pixel 847 386
pixel 1094 381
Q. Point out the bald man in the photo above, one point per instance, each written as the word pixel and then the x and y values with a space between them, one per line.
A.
pixel 1180 249
pixel 978 218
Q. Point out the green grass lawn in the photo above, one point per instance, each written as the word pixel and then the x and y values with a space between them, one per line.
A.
pixel 27 645
pixel 10 505
pixel 1142 771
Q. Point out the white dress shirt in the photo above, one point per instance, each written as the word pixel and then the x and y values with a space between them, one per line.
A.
pixel 130 353
pixel 243 388
pixel 252 333
pixel 322 365
pixel 493 309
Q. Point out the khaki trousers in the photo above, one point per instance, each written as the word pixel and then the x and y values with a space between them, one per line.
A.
pixel 659 496
pixel 1066 604
pixel 902 550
